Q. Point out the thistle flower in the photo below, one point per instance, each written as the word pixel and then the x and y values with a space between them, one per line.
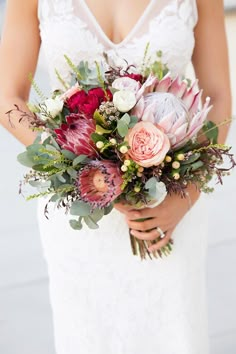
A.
pixel 75 135
pixel 99 183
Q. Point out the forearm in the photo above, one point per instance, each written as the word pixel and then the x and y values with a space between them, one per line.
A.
pixel 20 130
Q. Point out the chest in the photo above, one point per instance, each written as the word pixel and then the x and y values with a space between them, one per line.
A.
pixel 117 18
pixel 71 27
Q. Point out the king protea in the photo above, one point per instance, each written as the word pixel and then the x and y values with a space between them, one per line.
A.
pixel 175 107
pixel 99 183
pixel 75 136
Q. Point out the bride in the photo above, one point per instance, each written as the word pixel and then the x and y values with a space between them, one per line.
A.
pixel 105 300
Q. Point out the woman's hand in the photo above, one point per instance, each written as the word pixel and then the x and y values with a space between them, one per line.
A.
pixel 165 216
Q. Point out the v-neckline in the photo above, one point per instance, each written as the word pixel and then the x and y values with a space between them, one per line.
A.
pixel 129 34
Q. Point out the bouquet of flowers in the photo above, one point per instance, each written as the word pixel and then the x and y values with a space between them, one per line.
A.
pixel 121 135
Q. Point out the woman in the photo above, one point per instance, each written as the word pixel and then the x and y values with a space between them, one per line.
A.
pixel 105 300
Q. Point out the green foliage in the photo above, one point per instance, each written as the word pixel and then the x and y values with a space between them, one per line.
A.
pixel 80 208
pixel 60 79
pixel 76 224
pixel 79 159
pixel 36 88
pixel 211 131
pixel 122 128
pixel 151 186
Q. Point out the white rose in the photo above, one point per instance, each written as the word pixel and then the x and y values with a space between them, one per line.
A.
pixel 126 84
pixel 161 193
pixel 44 136
pixel 53 106
pixel 124 100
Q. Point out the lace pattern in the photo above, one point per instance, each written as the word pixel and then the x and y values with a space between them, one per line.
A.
pixel 67 27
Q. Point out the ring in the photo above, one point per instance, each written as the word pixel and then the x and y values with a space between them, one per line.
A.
pixel 162 234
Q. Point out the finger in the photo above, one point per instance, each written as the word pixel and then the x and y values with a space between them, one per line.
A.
pixel 123 208
pixel 146 225
pixel 147 213
pixel 142 235
pixel 162 243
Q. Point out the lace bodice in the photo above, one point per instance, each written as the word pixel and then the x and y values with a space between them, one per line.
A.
pixel 69 27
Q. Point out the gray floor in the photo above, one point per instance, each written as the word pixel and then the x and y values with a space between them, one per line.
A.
pixel 25 315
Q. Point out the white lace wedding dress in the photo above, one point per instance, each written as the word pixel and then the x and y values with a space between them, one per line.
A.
pixel 105 300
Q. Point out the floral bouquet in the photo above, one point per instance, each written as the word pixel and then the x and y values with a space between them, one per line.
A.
pixel 121 135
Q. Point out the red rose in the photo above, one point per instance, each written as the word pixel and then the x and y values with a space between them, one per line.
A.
pixel 136 77
pixel 99 92
pixel 87 103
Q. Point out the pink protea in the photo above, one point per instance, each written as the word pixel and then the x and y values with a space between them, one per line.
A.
pixel 75 136
pixel 175 107
pixel 99 183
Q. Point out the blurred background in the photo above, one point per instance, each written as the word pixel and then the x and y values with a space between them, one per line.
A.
pixel 25 315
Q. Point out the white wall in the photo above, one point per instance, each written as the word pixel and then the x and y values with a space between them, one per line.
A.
pixel 25 317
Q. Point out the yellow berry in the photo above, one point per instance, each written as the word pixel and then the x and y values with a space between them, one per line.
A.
pixel 176 165
pixel 168 158
pixel 140 169
pixel 176 176
pixel 124 168
pixel 180 157
pixel 113 141
pixel 139 174
pixel 99 144
pixel 127 162
pixel 137 189
pixel 123 149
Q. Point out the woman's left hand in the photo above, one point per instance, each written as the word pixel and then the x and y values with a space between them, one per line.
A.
pixel 165 217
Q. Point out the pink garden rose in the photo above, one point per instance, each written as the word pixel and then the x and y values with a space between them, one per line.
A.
pixel 126 84
pixel 148 144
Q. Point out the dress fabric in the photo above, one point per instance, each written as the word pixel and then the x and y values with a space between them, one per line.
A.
pixel 104 299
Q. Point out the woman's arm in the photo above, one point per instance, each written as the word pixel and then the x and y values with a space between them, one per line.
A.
pixel 210 60
pixel 19 48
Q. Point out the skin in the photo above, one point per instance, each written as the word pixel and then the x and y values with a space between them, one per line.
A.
pixel 210 60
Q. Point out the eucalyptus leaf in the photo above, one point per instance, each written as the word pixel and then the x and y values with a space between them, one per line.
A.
pixel 108 209
pixel 133 121
pixel 72 172
pixel 76 224
pixel 60 178
pixel 80 208
pixel 191 159
pixel 90 222
pixel 125 118
pixel 151 183
pixel 122 128
pixel 25 159
pixel 97 214
pixel 79 159
pixel 68 154
pixel 55 197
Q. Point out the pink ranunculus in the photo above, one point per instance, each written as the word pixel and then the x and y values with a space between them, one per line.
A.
pixel 75 136
pixel 70 92
pixel 99 183
pixel 148 144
